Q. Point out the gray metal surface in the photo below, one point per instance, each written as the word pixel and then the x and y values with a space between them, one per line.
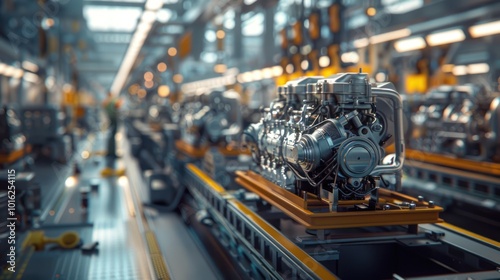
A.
pixel 177 245
pixel 121 253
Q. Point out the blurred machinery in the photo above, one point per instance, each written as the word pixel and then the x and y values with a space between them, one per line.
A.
pixel 13 146
pixel 215 118
pixel 462 121
pixel 454 154
pixel 323 138
pixel 44 127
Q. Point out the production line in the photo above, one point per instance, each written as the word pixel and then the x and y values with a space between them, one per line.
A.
pixel 283 139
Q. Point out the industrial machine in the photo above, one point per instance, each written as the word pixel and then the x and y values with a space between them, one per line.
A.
pixel 214 119
pixel 461 121
pixel 13 146
pixel 454 154
pixel 326 138
pixel 45 129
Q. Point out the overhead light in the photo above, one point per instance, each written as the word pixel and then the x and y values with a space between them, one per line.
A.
pixel 164 15
pixel 177 78
pixel 401 7
pixel 9 71
pixel 324 61
pixel 163 91
pixel 172 51
pixel 210 35
pixel 240 79
pixel 47 23
pixel 220 34
pixel 247 77
pixel 70 182
pixel 30 77
pixel 350 57
pixel 154 4
pixel 389 36
pixel 485 29
pixel 110 18
pixel 249 2
pixel 143 28
pixel 162 67
pixel 253 26
pixel 267 73
pixel 141 93
pixel 478 68
pixel 148 76
pixel 447 68
pixel 371 11
pixel 459 70
pixel 380 77
pixel 30 66
pixel 361 43
pixel 304 65
pixel 410 44
pixel 133 89
pixel 290 68
pixel 18 73
pixel 277 70
pixel 148 17
pixel 149 84
pixel 256 75
pixel 446 37
pixel 220 68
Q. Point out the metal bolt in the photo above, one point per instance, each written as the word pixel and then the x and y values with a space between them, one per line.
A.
pixel 377 127
pixel 412 205
pixel 431 204
pixel 420 198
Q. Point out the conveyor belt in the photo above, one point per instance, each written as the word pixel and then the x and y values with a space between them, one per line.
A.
pixel 470 186
pixel 281 256
pixel 171 246
pixel 383 252
pixel 488 168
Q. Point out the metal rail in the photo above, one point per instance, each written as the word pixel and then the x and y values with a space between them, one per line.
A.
pixel 462 185
pixel 260 249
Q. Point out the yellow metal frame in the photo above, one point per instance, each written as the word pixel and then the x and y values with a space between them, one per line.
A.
pixel 298 253
pixel 14 155
pixel 190 150
pixel 465 164
pixel 299 208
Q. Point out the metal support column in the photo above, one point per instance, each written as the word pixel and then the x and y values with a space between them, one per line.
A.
pixel 268 39
pixel 238 36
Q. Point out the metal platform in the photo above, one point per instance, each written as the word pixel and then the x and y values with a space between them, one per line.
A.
pixel 125 250
pixel 301 209
pixel 268 245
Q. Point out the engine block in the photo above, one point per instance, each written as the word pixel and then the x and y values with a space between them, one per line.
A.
pixel 329 134
pixel 462 121
pixel 212 119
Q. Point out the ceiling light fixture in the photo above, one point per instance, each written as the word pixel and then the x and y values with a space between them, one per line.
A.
pixel 478 68
pixel 485 29
pixel 324 61
pixel 172 51
pixel 410 44
pixel 154 4
pixel 162 67
pixel 277 70
pixel 30 66
pixel 445 37
pixel 389 36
